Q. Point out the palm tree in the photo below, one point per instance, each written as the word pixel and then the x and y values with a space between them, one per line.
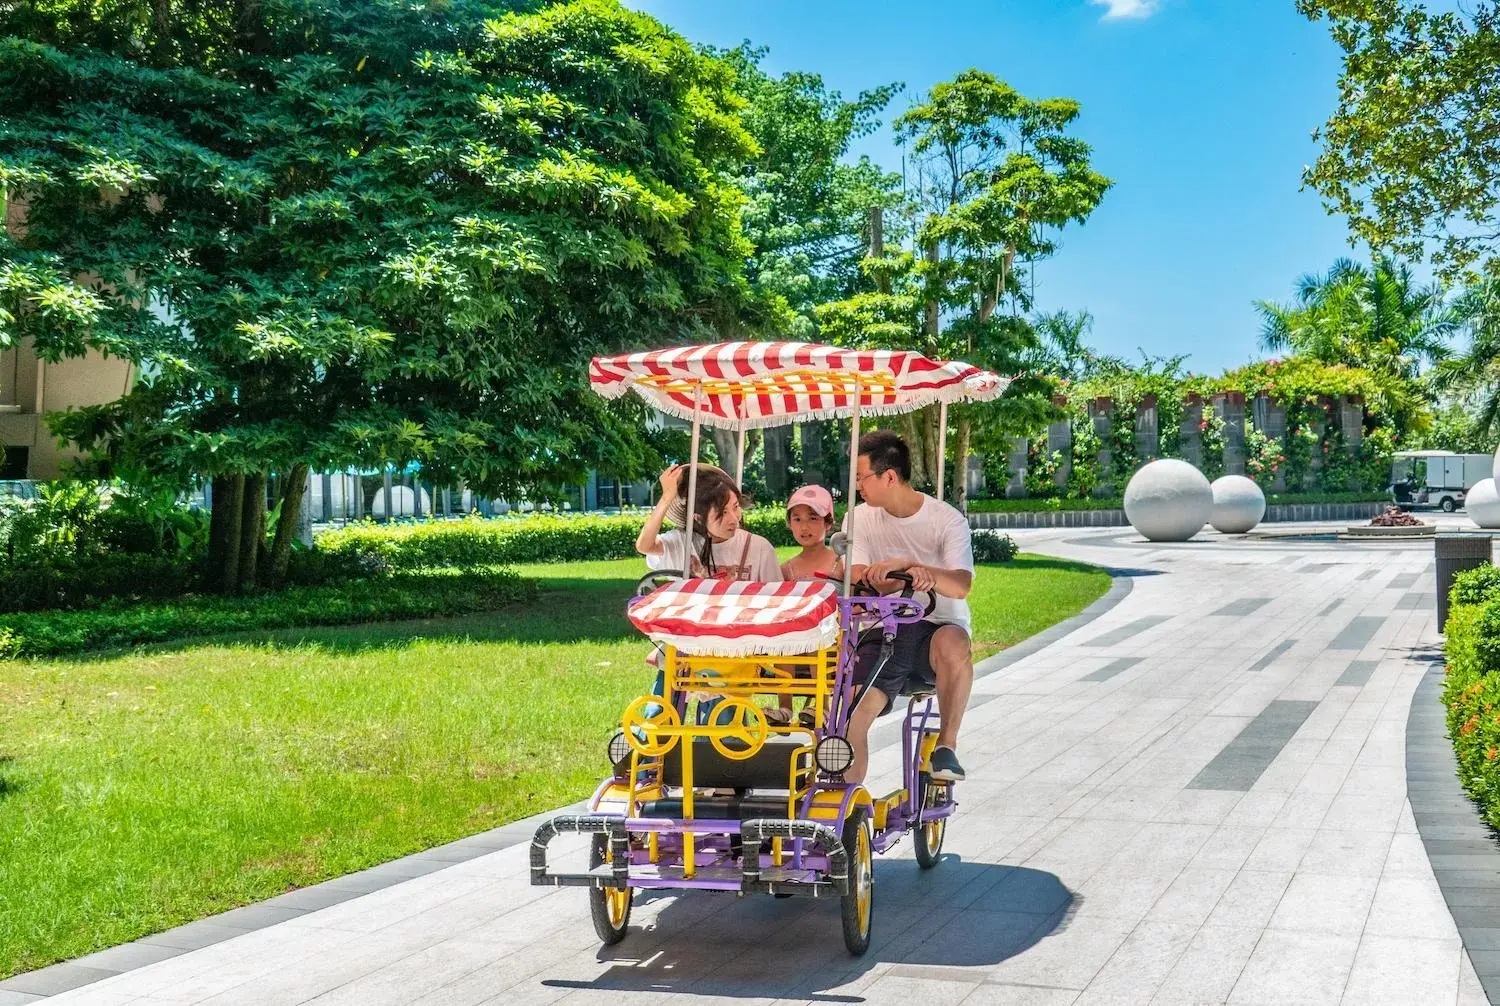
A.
pixel 1062 350
pixel 1376 317
pixel 1473 377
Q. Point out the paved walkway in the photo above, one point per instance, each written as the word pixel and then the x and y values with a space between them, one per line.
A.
pixel 1198 797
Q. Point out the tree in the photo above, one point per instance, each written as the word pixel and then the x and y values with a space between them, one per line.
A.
pixel 808 209
pixel 998 177
pixel 1411 154
pixel 1374 317
pixel 1471 379
pixel 381 233
pixel 1063 351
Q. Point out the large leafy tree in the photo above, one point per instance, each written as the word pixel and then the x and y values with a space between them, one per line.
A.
pixel 1412 155
pixel 362 231
pixel 998 176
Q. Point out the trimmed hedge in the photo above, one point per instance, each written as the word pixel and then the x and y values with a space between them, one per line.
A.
pixel 1471 688
pixel 404 595
pixel 1117 502
pixel 508 541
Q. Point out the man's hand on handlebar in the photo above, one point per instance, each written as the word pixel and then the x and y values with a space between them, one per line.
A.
pixel 877 575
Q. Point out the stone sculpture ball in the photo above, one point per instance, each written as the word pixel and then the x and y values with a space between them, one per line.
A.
pixel 1168 500
pixel 1238 504
pixel 1483 503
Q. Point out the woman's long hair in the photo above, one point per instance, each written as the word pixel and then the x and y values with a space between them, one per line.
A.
pixel 715 489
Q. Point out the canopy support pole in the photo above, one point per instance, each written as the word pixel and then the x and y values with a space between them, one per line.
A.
pixel 739 464
pixel 942 447
pixel 692 494
pixel 853 488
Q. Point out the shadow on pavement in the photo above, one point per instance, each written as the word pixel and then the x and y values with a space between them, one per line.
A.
pixel 958 915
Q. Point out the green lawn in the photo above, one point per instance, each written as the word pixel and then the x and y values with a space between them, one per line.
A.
pixel 141 791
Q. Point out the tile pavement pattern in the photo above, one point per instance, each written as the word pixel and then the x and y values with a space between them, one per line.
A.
pixel 1198 797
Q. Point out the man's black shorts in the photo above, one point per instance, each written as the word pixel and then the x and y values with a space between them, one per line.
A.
pixel 910 666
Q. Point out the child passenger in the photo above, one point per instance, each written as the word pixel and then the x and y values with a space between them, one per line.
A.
pixel 809 516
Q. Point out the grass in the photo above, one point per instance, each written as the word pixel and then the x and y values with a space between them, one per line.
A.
pixel 141 791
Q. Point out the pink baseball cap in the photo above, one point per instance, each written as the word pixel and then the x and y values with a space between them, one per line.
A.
pixel 814 497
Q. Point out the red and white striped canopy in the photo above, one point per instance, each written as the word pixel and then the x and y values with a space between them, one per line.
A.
pixel 755 384
pixel 729 618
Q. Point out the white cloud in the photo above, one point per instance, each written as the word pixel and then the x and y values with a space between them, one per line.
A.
pixel 1119 9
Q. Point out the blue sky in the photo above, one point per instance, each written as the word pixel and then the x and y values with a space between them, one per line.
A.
pixel 1200 110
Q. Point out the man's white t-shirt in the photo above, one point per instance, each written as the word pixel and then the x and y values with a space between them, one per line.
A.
pixel 936 535
pixel 745 556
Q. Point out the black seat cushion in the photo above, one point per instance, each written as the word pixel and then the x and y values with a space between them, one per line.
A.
pixel 719 808
pixel 768 768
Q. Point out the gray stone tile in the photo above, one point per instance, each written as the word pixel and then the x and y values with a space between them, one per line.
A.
pixel 128 956
pixel 1272 655
pixel 57 978
pixel 1116 636
pixel 1390 969
pixel 1318 903
pixel 257 916
pixel 1242 761
pixel 194 935
pixel 1357 634
pixel 1112 668
pixel 22 998
pixel 1357 673
pixel 1296 967
pixel 1242 606
pixel 1208 970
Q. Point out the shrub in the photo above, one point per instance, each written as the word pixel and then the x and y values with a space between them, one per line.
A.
pixel 1475 586
pixel 992 547
pixel 1471 695
pixel 407 595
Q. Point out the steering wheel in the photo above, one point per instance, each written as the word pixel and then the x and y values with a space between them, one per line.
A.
pixel 742 722
pixel 656 579
pixel 901 576
pixel 640 726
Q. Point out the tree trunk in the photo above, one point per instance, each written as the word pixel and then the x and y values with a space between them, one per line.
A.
pixel 776 438
pixel 961 464
pixel 224 533
pixel 810 436
pixel 931 445
pixel 252 529
pixel 932 314
pixel 286 524
pixel 911 431
pixel 726 444
pixel 877 245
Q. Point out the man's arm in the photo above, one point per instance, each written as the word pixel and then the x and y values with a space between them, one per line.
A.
pixel 954 583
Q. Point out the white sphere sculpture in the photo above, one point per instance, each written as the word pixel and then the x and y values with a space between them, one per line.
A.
pixel 402 503
pixel 1238 504
pixel 1483 503
pixel 1168 500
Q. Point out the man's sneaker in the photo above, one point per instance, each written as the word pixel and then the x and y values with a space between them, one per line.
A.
pixel 945 766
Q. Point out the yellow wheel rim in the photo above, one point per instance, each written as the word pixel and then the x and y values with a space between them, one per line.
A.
pixel 642 731
pixel 934 829
pixel 740 720
pixel 864 878
pixel 617 903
